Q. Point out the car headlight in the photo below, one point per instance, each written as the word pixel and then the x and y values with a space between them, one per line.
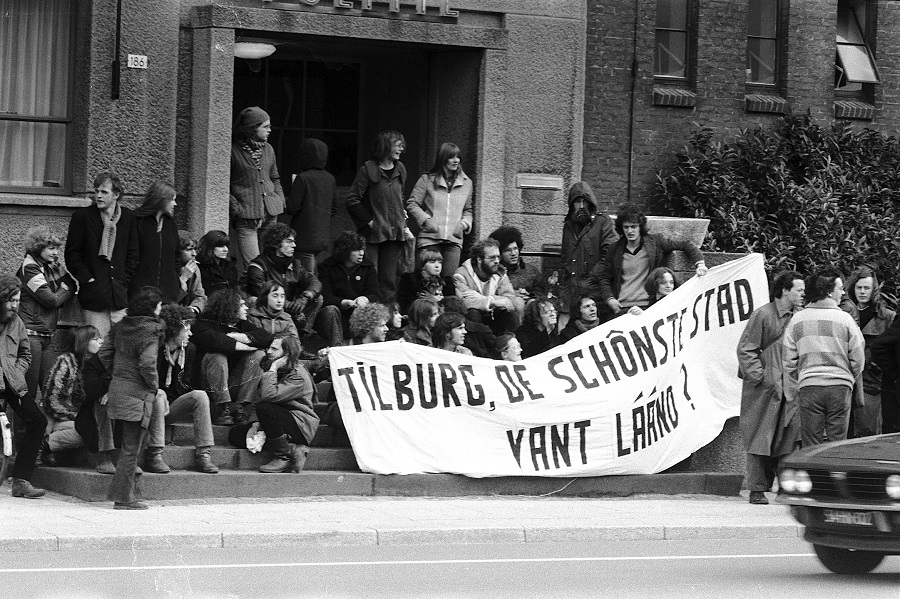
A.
pixel 788 481
pixel 804 482
pixel 892 486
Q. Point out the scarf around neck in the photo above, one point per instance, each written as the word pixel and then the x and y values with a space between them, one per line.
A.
pixel 108 240
pixel 255 148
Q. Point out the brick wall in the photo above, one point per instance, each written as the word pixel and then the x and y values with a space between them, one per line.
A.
pixel 656 132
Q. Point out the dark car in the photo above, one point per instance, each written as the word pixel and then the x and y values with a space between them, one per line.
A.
pixel 847 495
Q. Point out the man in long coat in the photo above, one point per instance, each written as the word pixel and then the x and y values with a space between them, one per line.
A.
pixel 769 424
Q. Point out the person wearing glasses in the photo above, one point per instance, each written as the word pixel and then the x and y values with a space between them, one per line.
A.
pixel 539 331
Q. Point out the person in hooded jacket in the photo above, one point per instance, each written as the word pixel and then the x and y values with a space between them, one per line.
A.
pixel 586 239
pixel 313 203
pixel 130 351
pixel 874 319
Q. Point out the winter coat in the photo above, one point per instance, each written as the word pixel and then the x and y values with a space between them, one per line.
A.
pixel 130 352
pixel 770 425
pixel 278 325
pixel 583 249
pixel 221 274
pixel 63 390
pixel 294 391
pixel 413 283
pixel 255 191
pixel 43 294
pixel 15 356
pixel 340 283
pixel 607 276
pixel 295 279
pixel 313 200
pixel 535 341
pixel 378 198
pixel 211 336
pixel 444 215
pixel 109 288
pixel 483 295
pixel 159 264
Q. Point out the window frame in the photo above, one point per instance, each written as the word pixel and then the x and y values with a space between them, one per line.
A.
pixel 867 31
pixel 690 48
pixel 66 187
pixel 781 14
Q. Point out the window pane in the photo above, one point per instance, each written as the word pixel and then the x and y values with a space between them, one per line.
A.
pixel 761 61
pixel 671 14
pixel 671 53
pixel 32 154
pixel 858 67
pixel 762 18
pixel 847 29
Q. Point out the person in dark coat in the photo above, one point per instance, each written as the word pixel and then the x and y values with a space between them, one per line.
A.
pixel 620 277
pixel 130 351
pixel 375 203
pixel 102 253
pixel 582 317
pixel 227 360
pixel 348 279
pixel 159 250
pixel 256 197
pixel 769 423
pixel 426 281
pixel 313 203
pixel 587 236
pixel 538 332
pixel 217 269
pixel 525 278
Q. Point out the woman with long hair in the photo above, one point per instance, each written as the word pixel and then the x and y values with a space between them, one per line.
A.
pixel 217 271
pixel 268 312
pixel 375 203
pixel 659 283
pixel 422 316
pixel 426 281
pixel 441 204
pixel 449 333
pixel 285 409
pixel 192 294
pixel 158 246
pixel 539 332
pixel 64 394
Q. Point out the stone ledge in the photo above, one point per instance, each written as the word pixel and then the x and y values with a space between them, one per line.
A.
pixel 765 103
pixel 852 109
pixel 671 96
pixel 47 201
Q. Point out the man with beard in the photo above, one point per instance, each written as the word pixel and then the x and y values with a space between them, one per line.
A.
pixel 769 424
pixel 15 358
pixel 620 277
pixel 587 236
pixel 159 249
pixel 482 283
pixel 102 253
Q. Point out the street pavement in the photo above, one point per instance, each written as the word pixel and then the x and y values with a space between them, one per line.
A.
pixel 62 523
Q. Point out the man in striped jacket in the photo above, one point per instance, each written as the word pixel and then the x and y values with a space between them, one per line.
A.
pixel 824 355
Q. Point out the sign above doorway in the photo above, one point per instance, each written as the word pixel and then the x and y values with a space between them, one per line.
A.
pixel 443 6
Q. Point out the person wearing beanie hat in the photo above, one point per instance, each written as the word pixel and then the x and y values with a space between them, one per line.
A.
pixel 256 197
pixel 15 358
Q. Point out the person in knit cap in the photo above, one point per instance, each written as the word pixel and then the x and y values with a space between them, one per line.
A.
pixel 15 358
pixel 256 195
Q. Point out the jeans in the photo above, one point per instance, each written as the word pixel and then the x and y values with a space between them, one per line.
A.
pixel 307 260
pixel 328 325
pixel 247 232
pixel 193 405
pixel 824 412
pixel 103 320
pixel 386 256
pixel 866 420
pixel 42 359
pixel 63 436
pixel 274 420
pixel 122 488
pixel 29 432
pixel 235 379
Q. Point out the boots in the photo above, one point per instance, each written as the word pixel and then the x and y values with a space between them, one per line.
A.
pixel 153 461
pixel 47 456
pixel 220 415
pixel 23 488
pixel 299 454
pixel 281 462
pixel 202 463
pixel 106 465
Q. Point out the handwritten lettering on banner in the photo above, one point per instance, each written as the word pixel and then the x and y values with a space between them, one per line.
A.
pixel 633 396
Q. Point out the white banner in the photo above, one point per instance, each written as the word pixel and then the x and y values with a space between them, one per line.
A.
pixel 633 396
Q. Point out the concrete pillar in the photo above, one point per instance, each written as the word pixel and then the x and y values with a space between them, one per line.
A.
pixel 210 158
pixel 491 179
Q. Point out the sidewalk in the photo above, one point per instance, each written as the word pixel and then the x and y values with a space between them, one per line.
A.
pixel 61 523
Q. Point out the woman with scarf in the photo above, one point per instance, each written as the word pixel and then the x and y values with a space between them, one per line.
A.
pixel 256 195
pixel 46 285
pixel 583 317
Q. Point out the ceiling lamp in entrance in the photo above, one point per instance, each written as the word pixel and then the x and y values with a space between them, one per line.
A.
pixel 253 50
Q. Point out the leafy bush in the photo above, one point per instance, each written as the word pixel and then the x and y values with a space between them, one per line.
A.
pixel 803 195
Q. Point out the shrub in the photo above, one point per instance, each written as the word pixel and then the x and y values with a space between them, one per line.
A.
pixel 803 195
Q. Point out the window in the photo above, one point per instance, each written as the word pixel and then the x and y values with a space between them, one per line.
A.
pixel 673 39
pixel 762 42
pixel 35 78
pixel 855 62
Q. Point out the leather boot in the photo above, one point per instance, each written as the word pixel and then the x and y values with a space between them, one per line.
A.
pixel 23 488
pixel 299 453
pixel 281 462
pixel 106 465
pixel 221 416
pixel 153 461
pixel 202 462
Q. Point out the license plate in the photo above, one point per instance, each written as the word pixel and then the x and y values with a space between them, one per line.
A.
pixel 848 517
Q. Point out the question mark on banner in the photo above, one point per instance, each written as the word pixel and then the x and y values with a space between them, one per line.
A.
pixel 686 394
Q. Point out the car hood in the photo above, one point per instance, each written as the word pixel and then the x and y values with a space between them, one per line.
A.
pixel 880 448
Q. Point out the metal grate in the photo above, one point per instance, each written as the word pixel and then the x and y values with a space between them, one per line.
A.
pixel 848 485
